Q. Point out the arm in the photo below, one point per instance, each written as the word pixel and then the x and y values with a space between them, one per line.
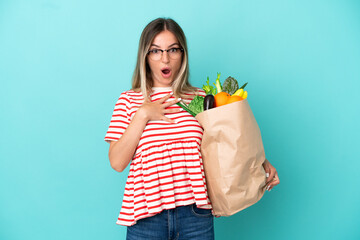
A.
pixel 122 151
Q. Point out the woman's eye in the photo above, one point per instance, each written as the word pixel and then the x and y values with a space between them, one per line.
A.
pixel 173 50
pixel 154 51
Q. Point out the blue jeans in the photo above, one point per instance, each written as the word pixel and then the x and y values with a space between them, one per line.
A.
pixel 183 222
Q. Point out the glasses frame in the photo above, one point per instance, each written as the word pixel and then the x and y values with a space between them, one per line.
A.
pixel 163 50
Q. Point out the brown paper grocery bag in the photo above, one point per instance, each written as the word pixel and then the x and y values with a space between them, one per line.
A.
pixel 233 154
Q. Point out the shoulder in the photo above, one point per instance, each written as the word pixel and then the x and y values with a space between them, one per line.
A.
pixel 195 91
pixel 130 94
pixel 201 92
pixel 189 95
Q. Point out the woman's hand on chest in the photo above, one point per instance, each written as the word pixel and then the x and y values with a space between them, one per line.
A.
pixel 156 110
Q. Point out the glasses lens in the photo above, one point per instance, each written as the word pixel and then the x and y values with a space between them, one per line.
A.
pixel 175 53
pixel 155 54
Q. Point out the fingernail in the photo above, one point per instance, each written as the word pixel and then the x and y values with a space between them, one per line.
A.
pixel 179 99
pixel 267 174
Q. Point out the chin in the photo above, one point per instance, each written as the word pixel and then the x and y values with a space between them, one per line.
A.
pixel 166 83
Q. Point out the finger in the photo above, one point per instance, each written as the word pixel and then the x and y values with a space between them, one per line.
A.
pixel 173 110
pixel 168 104
pixel 267 171
pixel 272 186
pixel 147 100
pixel 163 99
pixel 276 176
pixel 167 120
pixel 276 180
pixel 273 183
pixel 272 172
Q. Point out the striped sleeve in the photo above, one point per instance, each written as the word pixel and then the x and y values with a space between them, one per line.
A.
pixel 120 119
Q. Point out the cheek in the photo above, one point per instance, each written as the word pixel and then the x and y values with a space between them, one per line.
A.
pixel 153 67
pixel 178 66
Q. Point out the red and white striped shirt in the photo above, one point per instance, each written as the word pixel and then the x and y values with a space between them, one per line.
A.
pixel 166 170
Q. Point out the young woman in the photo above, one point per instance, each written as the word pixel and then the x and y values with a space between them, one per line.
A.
pixel 165 193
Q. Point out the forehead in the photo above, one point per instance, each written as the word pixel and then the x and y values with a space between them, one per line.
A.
pixel 164 39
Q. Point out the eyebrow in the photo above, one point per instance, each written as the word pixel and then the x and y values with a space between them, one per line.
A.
pixel 168 46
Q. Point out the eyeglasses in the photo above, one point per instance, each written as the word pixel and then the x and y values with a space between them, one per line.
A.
pixel 174 53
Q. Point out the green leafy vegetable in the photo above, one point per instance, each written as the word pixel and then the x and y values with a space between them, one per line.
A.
pixel 230 85
pixel 209 89
pixel 195 106
pixel 184 106
pixel 243 86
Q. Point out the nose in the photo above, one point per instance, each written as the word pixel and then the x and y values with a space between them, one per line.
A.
pixel 165 57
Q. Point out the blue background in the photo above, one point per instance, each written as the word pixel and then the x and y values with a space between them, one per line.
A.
pixel 63 64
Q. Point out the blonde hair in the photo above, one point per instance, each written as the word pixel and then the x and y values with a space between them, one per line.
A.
pixel 141 80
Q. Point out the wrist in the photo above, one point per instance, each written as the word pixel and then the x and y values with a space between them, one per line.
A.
pixel 142 114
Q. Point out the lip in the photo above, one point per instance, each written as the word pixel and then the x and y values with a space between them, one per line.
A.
pixel 164 68
pixel 166 75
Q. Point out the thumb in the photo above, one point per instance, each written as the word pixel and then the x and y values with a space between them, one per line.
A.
pixel 147 100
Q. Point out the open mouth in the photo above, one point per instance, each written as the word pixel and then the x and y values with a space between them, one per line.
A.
pixel 166 72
